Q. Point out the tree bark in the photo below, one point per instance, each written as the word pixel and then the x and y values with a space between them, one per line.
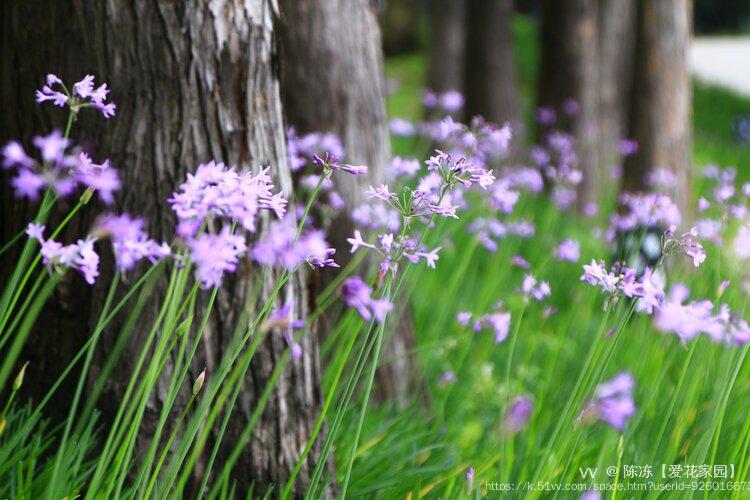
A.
pixel 348 99
pixel 447 50
pixel 193 81
pixel 616 55
pixel 491 81
pixel 660 99
pixel 568 70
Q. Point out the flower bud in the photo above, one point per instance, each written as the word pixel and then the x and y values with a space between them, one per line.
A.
pixel 198 384
pixel 19 378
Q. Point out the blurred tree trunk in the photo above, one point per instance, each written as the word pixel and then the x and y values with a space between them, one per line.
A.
pixel 491 81
pixel 616 52
pixel 348 99
pixel 193 81
pixel 447 50
pixel 568 69
pixel 660 99
pixel 400 26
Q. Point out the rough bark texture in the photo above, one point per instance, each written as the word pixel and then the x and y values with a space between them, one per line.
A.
pixel 447 50
pixel 491 81
pixel 660 100
pixel 568 70
pixel 193 81
pixel 348 98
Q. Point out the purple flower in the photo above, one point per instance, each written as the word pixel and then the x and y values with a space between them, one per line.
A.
pixel 101 178
pixel 27 184
pixel 402 128
pixel 741 242
pixel 545 115
pixel 330 162
pixel 281 246
pixel 216 191
pixel 568 250
pixel 448 377
pixel 613 402
pixel 463 317
pixel 452 101
pixel 518 414
pixel 130 243
pixel 79 256
pixel 358 295
pixel 15 156
pixel 596 274
pixel 529 287
pixel 215 254
pixel 627 147
pixel 84 95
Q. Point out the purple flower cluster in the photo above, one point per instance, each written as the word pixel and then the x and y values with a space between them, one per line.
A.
pixel 643 210
pixel 613 402
pixel 82 95
pixel 447 102
pixel 393 248
pixel 79 255
pixel 498 321
pixel 358 295
pixel 532 288
pixel 62 168
pixel 130 242
pixel 568 250
pixel 558 160
pixel 648 289
pixel 688 320
pixel 517 414
pixel 303 149
pixel 488 230
pixel 282 246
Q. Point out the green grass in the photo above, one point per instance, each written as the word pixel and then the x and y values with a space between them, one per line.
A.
pixel 691 398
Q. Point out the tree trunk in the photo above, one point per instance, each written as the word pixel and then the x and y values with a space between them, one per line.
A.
pixel 348 99
pixel 568 70
pixel 491 84
pixel 616 53
pixel 193 81
pixel 660 100
pixel 447 50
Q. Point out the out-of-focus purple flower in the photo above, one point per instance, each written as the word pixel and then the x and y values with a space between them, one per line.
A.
pixel 613 402
pixel 538 291
pixel 687 321
pixel 519 261
pixel 283 318
pixel 645 210
pixel 101 178
pixel 429 99
pixel 517 414
pixel 571 107
pixel 452 101
pixel 545 115
pixel 215 254
pixel 463 318
pixel 591 495
pixel 281 246
pixel 402 128
pixel 661 179
pixel 358 295
pixel 627 147
pixel 404 167
pixel 27 184
pixel 15 156
pixel 130 242
pixel 703 204
pixel 448 377
pixel 569 250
